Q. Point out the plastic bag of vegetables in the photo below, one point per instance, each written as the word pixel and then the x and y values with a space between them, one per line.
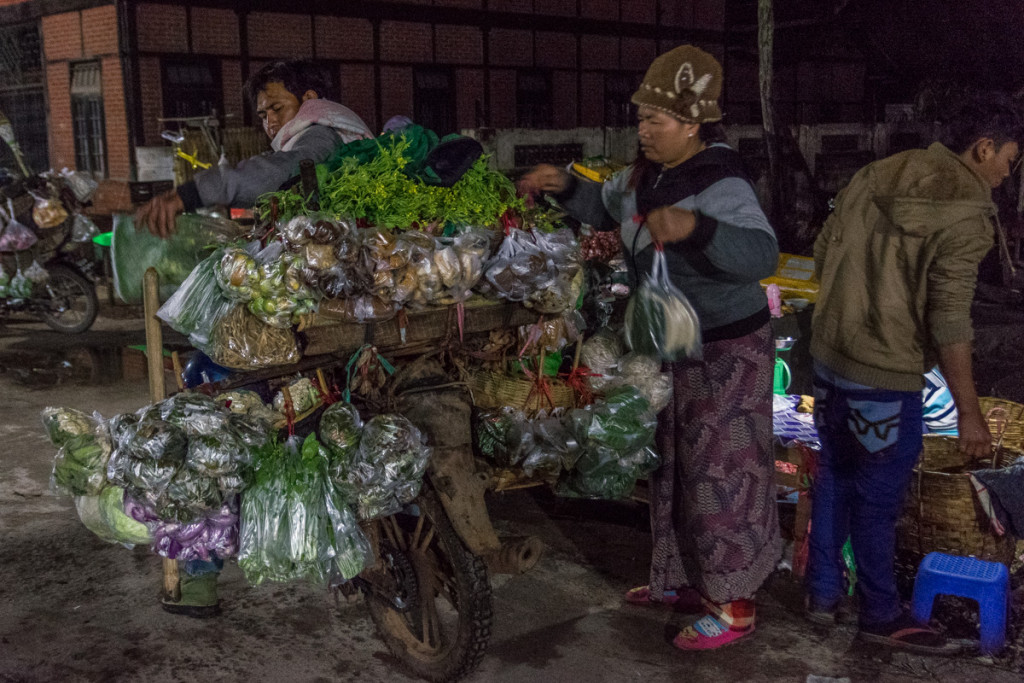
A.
pixel 660 321
pixel 213 534
pixel 104 515
pixel 241 341
pixel 84 447
pixel 199 303
pixel 553 447
pixel 294 521
pixel 498 435
pixel 387 470
pixel 340 430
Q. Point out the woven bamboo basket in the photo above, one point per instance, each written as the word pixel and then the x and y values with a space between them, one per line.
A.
pixel 497 390
pixel 942 512
pixel 1005 421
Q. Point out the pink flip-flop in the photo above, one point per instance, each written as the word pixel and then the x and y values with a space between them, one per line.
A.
pixel 708 633
pixel 686 600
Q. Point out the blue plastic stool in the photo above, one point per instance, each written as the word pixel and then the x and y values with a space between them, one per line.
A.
pixel 967 577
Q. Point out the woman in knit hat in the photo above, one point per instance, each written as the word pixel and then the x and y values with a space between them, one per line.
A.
pixel 713 516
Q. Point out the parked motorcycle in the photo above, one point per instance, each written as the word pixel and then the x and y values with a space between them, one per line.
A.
pixel 50 273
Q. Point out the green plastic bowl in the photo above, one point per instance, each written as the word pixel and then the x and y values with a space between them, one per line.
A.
pixel 103 239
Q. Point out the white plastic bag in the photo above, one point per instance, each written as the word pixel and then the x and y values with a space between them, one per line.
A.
pixel 660 321
pixel 83 229
pixel 15 236
pixel 36 273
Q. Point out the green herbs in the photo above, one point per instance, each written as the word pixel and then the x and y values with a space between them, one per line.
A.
pixel 379 191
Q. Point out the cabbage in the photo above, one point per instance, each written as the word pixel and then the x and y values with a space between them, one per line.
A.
pixel 123 528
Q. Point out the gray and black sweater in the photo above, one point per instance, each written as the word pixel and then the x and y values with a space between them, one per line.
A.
pixel 719 266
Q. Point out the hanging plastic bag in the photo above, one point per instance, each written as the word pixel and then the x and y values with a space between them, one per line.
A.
pixel 83 229
pixel 660 321
pixel 36 273
pixel 48 212
pixel 82 186
pixel 20 287
pixel 5 281
pixel 199 304
pixel 16 236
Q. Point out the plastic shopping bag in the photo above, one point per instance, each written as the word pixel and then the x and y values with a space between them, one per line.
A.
pixel 660 321
pixel 15 236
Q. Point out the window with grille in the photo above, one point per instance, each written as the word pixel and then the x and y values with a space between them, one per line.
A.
pixel 191 88
pixel 534 107
pixel 22 97
pixel 87 119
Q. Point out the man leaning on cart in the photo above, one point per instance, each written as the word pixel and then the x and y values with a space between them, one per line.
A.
pixel 301 125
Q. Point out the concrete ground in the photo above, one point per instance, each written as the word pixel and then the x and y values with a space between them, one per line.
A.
pixel 73 608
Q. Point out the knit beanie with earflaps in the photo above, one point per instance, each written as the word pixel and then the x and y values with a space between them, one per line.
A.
pixel 685 82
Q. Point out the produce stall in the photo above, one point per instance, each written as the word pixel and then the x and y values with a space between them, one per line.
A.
pixel 393 348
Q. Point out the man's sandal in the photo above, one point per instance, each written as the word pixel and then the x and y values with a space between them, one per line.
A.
pixel 906 634
pixel 686 600
pixel 708 633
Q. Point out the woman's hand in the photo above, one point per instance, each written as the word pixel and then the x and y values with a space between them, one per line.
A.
pixel 158 214
pixel 544 178
pixel 671 224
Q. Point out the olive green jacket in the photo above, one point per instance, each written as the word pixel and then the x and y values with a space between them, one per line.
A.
pixel 898 261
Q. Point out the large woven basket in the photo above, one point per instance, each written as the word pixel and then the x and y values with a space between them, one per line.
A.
pixel 496 390
pixel 1005 421
pixel 942 512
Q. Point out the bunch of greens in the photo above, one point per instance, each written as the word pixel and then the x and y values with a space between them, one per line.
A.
pixel 104 515
pixel 498 435
pixel 379 189
pixel 295 523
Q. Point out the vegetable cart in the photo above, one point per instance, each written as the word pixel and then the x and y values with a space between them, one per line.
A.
pixel 428 588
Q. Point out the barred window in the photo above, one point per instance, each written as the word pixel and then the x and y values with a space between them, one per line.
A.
pixel 87 119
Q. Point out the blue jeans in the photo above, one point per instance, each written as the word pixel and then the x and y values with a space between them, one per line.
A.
pixel 870 441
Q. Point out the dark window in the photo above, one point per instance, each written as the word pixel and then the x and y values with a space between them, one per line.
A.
pixel 560 155
pixel 22 97
pixel 533 100
pixel 618 91
pixel 433 99
pixel 87 119
pixel 192 88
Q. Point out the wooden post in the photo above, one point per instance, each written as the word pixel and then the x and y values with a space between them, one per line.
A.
pixel 179 377
pixel 155 365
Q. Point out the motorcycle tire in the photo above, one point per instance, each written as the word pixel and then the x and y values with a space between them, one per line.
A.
pixel 69 300
pixel 445 635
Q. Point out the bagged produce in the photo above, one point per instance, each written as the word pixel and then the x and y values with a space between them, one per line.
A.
pixel 132 252
pixel 387 470
pixel 340 430
pixel 562 291
pixel 519 267
pixel 615 436
pixel 305 395
pixel 84 448
pixel 15 235
pixel 213 534
pixel 246 402
pixel 295 523
pixel 48 212
pixel 645 375
pixel 5 281
pixel 20 286
pixel 499 435
pixel 660 320
pixel 553 447
pixel 600 354
pixel 36 274
pixel 241 341
pixel 83 229
pixel 104 515
pixel 199 303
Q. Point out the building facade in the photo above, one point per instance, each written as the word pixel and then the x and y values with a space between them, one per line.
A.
pixel 96 77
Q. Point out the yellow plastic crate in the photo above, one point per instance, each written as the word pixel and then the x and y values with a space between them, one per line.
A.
pixel 795 278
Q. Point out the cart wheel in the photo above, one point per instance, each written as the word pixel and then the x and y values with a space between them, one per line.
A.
pixel 442 633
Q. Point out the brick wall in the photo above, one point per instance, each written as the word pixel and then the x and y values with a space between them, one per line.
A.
pixel 556 49
pixel 403 41
pixel 231 82
pixel 396 91
pixel 276 35
pixel 215 31
pixel 511 47
pixel 592 99
pixel 344 38
pixel 469 90
pixel 563 86
pixel 358 92
pixel 459 44
pixel 75 36
pixel 503 98
pixel 150 100
pixel 161 28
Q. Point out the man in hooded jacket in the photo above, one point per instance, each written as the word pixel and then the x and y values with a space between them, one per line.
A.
pixel 897 262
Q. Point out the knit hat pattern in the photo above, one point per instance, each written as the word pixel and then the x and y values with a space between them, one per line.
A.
pixel 686 83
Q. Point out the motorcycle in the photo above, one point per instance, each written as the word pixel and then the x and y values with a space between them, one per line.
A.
pixel 54 278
